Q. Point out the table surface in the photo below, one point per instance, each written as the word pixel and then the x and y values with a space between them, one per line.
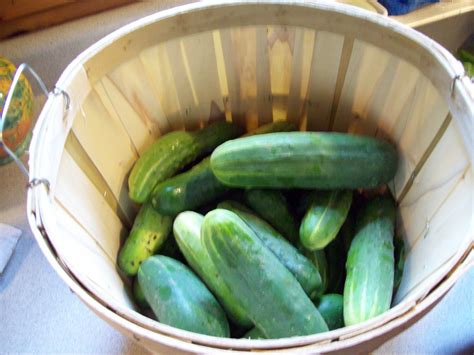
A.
pixel 39 314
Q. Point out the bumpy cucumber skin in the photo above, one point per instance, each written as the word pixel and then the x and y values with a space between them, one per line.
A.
pixel 331 307
pixel 188 190
pixel 187 231
pixel 320 160
pixel 272 206
pixel 138 294
pixel 324 218
pixel 281 126
pixel 179 299
pixel 302 268
pixel 171 152
pixel 370 262
pixel 271 295
pixel 149 232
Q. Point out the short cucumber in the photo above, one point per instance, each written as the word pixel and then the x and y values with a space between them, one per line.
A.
pixel 323 219
pixel 179 299
pixel 254 333
pixel 301 267
pixel 272 297
pixel 173 151
pixel 187 231
pixel 188 190
pixel 331 308
pixel 320 160
pixel 272 206
pixel 370 262
pixel 150 230
pixel 138 294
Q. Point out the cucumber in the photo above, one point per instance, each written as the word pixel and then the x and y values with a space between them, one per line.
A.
pixel 320 160
pixel 138 294
pixel 150 230
pixel 270 294
pixel 170 248
pixel 281 126
pixel 179 299
pixel 370 262
pixel 254 333
pixel 173 151
pixel 188 190
pixel 302 269
pixel 331 307
pixel 323 220
pixel 187 231
pixel 399 246
pixel 319 260
pixel 272 206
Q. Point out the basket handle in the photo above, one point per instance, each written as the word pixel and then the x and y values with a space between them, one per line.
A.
pixel 56 91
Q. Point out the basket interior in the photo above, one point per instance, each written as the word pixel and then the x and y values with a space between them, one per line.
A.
pixel 321 78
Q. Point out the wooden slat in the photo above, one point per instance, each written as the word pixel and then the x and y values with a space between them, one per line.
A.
pixel 108 145
pixel 135 85
pixel 448 229
pixel 18 8
pixel 435 181
pixel 83 201
pixel 264 86
pixel 87 261
pixel 324 78
pixel 199 55
pixel 363 79
pixel 416 129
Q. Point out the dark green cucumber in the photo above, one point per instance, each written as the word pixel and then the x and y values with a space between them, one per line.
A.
pixel 187 231
pixel 173 151
pixel 320 160
pixel 265 288
pixel 150 230
pixel 254 333
pixel 138 294
pixel 170 248
pixel 331 307
pixel 399 246
pixel 301 267
pixel 188 190
pixel 319 260
pixel 370 262
pixel 179 299
pixel 281 126
pixel 323 219
pixel 272 206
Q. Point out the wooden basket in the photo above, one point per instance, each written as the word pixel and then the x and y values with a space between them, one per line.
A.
pixel 323 65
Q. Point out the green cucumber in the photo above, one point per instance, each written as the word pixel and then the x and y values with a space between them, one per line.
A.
pixel 188 190
pixel 302 268
pixel 179 299
pixel 187 231
pixel 323 219
pixel 370 262
pixel 138 294
pixel 320 160
pixel 150 230
pixel 319 260
pixel 399 246
pixel 254 333
pixel 265 288
pixel 331 307
pixel 172 152
pixel 281 126
pixel 272 206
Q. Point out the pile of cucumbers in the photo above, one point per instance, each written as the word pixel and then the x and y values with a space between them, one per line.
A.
pixel 271 234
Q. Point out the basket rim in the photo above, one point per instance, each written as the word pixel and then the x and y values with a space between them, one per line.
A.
pixel 38 198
